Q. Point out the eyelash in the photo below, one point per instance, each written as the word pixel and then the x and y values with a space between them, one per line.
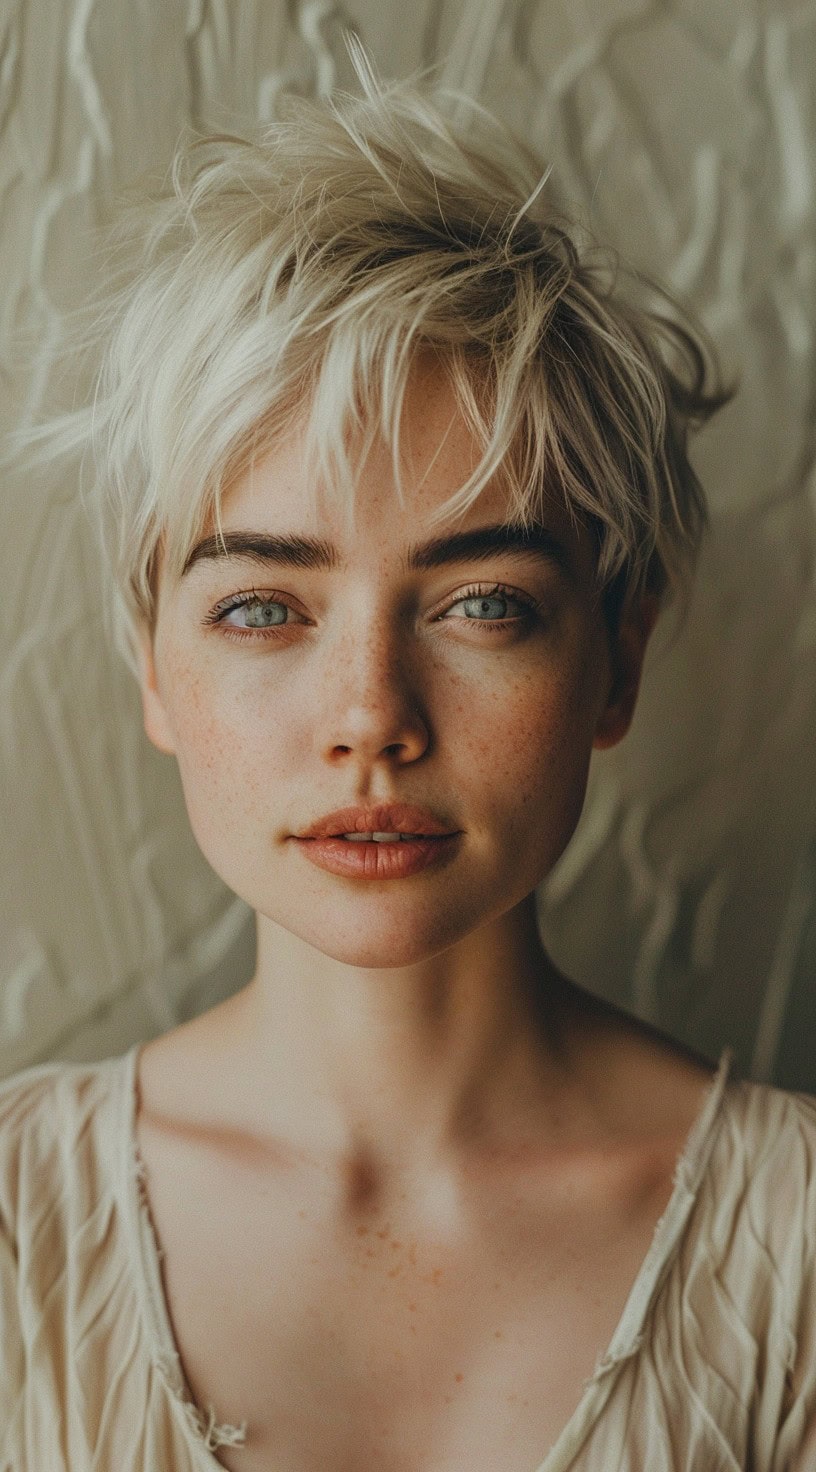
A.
pixel 254 595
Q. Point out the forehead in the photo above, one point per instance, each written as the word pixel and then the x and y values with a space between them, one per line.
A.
pixel 437 451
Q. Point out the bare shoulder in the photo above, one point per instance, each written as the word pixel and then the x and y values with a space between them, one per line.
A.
pixel 179 1077
pixel 642 1079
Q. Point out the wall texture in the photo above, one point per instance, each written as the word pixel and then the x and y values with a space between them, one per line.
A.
pixel 682 133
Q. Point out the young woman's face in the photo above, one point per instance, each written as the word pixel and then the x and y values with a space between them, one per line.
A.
pixel 474 687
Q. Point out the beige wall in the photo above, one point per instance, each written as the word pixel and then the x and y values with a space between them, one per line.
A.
pixel 684 134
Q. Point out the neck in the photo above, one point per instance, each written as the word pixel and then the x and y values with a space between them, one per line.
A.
pixel 408 1067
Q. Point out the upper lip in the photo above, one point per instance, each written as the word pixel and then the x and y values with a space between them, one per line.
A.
pixel 399 817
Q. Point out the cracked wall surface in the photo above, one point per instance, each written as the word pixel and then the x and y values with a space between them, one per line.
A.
pixel 682 133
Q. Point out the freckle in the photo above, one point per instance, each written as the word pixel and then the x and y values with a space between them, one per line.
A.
pixel 392 1272
pixel 412 1308
pixel 371 1252
pixel 385 1232
pixel 362 1231
pixel 302 1215
pixel 498 1334
pixel 448 1399
pixel 396 1244
pixel 458 1377
pixel 496 1285
pixel 512 1397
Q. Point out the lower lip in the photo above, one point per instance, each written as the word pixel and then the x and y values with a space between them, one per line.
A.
pixel 377 860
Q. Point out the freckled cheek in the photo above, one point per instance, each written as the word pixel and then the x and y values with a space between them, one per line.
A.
pixel 532 747
pixel 230 757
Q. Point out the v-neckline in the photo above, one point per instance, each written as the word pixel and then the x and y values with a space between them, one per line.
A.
pixel 207 1434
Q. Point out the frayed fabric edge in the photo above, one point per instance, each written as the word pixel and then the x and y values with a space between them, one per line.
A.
pixel 686 1177
pixel 212 1434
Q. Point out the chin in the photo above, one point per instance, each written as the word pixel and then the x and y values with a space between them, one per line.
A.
pixel 387 945
pixel 381 954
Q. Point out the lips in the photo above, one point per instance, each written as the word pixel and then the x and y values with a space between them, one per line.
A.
pixel 385 818
pixel 343 843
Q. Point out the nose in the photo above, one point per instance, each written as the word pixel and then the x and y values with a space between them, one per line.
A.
pixel 370 705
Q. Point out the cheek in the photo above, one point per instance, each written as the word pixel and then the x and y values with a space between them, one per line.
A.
pixel 532 750
pixel 227 761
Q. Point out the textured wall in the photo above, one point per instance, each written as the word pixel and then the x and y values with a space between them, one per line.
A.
pixel 684 134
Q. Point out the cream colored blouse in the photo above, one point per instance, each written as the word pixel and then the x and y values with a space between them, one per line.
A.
pixel 712 1367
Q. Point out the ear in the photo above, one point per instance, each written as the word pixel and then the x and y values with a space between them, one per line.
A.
pixel 156 723
pixel 627 650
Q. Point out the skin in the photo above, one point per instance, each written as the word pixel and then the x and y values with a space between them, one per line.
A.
pixel 417 1023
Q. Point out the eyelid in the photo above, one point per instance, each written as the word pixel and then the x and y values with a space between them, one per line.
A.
pixel 493 590
pixel 247 595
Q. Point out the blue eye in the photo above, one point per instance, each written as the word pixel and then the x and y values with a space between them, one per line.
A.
pixel 494 607
pixel 490 606
pixel 260 613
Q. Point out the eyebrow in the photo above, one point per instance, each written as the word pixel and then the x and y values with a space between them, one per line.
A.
pixel 313 553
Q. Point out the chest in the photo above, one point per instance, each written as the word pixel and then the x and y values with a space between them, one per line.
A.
pixel 361 1342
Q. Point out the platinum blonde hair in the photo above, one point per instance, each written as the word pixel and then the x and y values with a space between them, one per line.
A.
pixel 302 268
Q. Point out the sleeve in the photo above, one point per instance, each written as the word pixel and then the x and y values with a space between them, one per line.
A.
pixel 805 1456
pixel 12 1357
pixel 24 1126
pixel 795 1222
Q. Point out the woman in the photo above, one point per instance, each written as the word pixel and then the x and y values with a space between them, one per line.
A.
pixel 393 485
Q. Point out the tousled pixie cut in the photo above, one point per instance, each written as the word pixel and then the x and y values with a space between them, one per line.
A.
pixel 298 272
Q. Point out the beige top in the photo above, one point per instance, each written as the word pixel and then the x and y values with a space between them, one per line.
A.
pixel 711 1367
